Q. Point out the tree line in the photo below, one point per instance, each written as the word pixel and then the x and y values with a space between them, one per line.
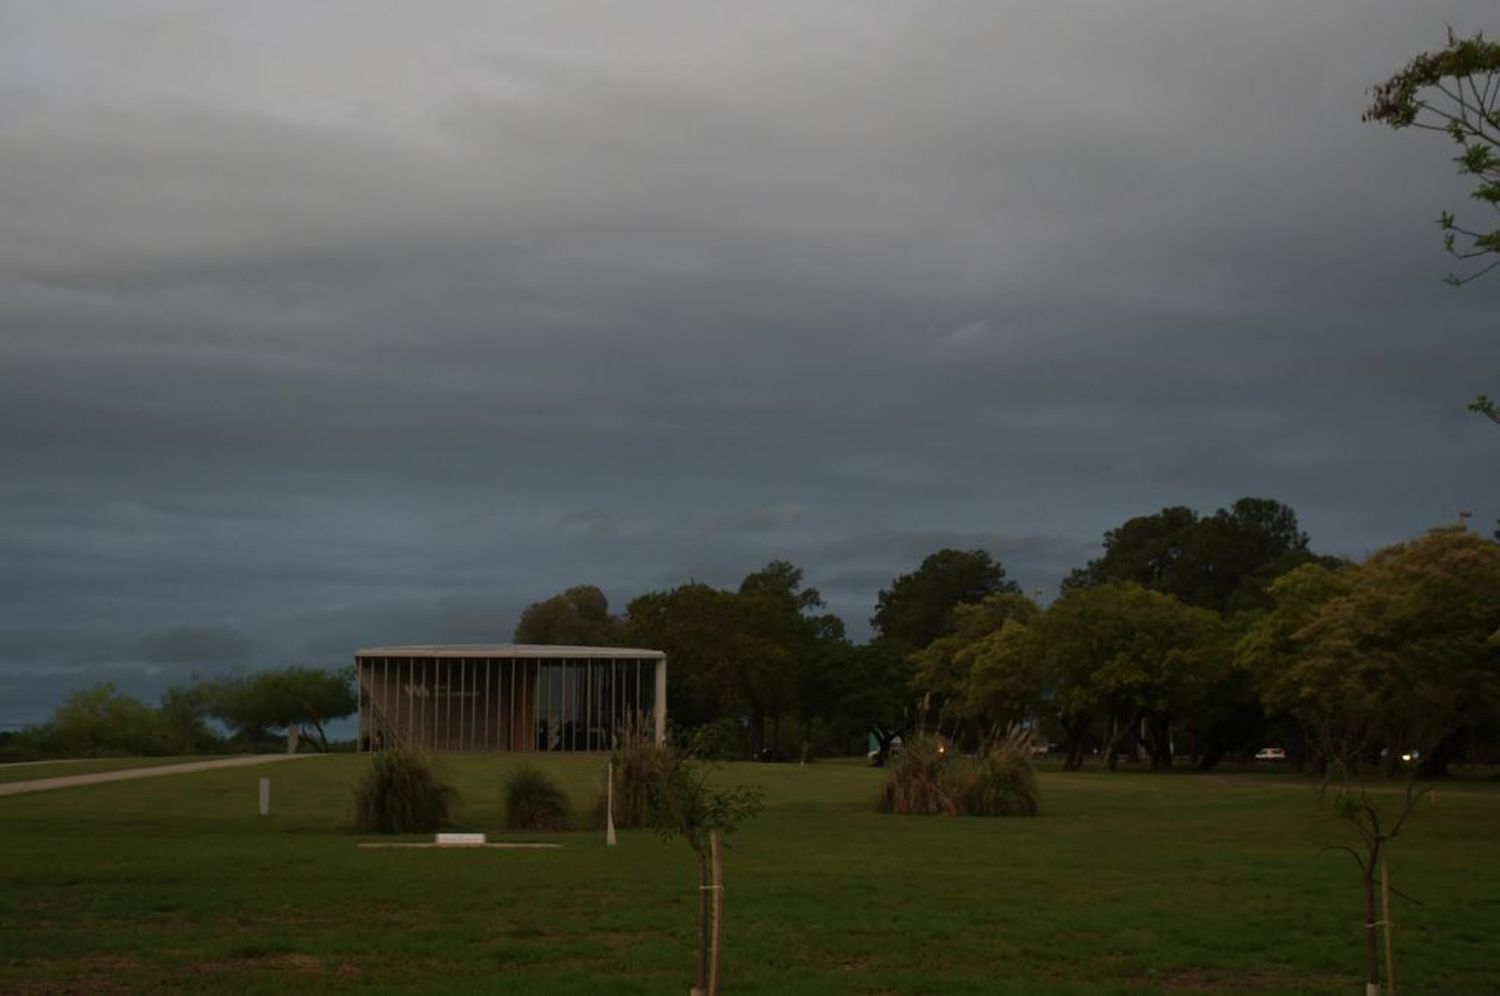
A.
pixel 1190 638
pixel 251 709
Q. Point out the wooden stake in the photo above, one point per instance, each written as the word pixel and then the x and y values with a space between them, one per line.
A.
pixel 705 885
pixel 718 891
pixel 1385 914
pixel 609 806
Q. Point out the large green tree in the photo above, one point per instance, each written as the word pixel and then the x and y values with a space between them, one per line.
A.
pixel 1126 656
pixel 879 693
pixel 255 704
pixel 1409 655
pixel 101 720
pixel 737 653
pixel 576 617
pixel 696 625
pixel 787 610
pixel 944 668
pixel 914 610
pixel 1221 562
pixel 1271 652
pixel 1007 679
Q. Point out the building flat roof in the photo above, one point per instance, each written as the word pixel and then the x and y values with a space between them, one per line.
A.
pixel 508 650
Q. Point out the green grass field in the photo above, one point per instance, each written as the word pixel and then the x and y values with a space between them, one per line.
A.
pixel 27 771
pixel 1128 883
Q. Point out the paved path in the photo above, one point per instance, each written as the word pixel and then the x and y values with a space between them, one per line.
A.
pixel 127 774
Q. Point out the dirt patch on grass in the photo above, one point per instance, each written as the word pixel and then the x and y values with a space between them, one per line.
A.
pixel 1192 980
pixel 281 918
pixel 86 976
pixel 617 939
pixel 72 987
pixel 834 961
pixel 291 963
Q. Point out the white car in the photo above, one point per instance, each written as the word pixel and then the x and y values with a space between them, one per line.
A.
pixel 1271 754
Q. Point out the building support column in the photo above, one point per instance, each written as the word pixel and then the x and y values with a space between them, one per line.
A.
pixel 659 707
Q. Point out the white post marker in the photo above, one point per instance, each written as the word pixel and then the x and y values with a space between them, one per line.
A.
pixel 265 797
pixel 609 805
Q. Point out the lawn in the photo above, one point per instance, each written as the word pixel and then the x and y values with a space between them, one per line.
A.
pixel 1128 883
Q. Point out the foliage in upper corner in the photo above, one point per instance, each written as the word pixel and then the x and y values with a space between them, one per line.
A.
pixel 1456 91
pixel 1482 405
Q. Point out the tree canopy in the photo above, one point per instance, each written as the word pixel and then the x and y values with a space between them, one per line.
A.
pixel 944 668
pixel 914 609
pixel 255 704
pixel 576 617
pixel 747 652
pixel 1398 654
pixel 1129 656
pixel 1221 562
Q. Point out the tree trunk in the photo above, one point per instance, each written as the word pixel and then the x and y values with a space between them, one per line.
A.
pixel 1372 946
pixel 1435 763
pixel 1385 915
pixel 701 986
pixel 1111 748
pixel 1160 727
pixel 757 734
pixel 1077 740
pixel 716 887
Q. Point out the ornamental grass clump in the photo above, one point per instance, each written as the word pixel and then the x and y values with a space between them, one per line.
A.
pixel 914 782
pixel 930 777
pixel 638 765
pixel 401 793
pixel 1002 780
pixel 534 801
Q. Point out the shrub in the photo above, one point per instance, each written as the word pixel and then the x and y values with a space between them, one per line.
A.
pixel 534 801
pixel 914 783
pixel 721 740
pixel 401 793
pixel 1002 781
pixel 639 764
pixel 930 777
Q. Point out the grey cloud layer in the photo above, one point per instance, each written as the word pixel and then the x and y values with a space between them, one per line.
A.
pixel 372 322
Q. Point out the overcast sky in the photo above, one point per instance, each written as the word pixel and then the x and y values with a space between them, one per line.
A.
pixel 339 324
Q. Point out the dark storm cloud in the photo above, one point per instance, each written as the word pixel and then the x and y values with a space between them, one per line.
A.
pixel 201 645
pixel 368 324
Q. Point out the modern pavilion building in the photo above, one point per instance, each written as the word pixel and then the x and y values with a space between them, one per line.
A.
pixel 508 697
